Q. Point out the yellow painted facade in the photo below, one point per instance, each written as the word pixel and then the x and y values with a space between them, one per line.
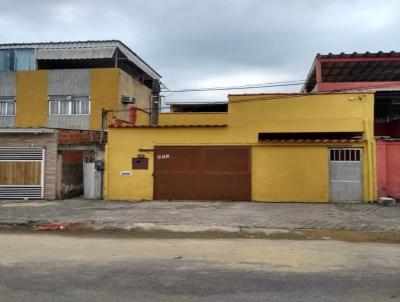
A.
pixel 281 171
pixel 32 104
pixel 104 93
pixel 107 86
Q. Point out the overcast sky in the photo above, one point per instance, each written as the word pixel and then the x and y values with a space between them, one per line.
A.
pixel 208 43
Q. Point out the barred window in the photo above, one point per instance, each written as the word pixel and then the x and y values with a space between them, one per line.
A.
pixel 7 106
pixel 69 105
pixel 345 154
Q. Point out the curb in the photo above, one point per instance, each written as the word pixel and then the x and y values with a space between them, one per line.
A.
pixel 152 230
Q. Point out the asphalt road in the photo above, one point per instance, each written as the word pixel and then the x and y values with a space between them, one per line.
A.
pixel 51 267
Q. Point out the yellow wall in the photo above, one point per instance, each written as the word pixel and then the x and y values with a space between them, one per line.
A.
pixel 301 113
pixel 192 118
pixel 32 103
pixel 287 173
pixel 280 171
pixel 104 93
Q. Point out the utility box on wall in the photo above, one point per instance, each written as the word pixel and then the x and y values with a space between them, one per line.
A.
pixel 140 163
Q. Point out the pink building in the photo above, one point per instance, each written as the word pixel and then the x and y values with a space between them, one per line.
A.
pixel 379 72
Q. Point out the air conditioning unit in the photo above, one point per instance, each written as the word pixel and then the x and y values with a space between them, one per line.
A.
pixel 128 99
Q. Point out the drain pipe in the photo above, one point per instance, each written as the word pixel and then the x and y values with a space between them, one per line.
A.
pixel 155 103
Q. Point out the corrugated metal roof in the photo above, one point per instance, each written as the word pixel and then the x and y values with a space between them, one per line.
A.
pixel 77 46
pixel 342 68
pixel 361 55
pixel 75 53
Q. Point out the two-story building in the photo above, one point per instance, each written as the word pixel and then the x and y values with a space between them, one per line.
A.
pixel 266 147
pixel 52 96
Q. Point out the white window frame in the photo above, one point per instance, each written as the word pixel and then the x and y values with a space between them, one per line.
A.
pixel 69 99
pixel 8 100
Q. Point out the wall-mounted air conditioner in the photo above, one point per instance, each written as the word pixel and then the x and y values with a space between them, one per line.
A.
pixel 128 99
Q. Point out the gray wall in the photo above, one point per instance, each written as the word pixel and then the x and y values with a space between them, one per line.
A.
pixel 68 82
pixel 68 121
pixel 8 85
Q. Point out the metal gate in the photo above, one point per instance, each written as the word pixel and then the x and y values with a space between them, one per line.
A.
pixel 345 169
pixel 202 173
pixel 21 173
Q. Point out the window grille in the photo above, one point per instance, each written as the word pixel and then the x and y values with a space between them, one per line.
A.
pixel 69 105
pixel 345 154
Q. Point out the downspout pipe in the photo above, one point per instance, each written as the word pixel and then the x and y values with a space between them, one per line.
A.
pixel 155 102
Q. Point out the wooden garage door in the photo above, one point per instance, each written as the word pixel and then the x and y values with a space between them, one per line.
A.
pixel 202 173
pixel 21 173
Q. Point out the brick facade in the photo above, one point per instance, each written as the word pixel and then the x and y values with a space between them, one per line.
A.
pixel 47 141
pixel 78 136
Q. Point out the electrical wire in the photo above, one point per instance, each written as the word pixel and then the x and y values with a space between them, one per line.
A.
pixel 279 84
pixel 278 96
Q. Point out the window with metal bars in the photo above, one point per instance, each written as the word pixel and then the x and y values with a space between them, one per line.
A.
pixel 345 154
pixel 69 105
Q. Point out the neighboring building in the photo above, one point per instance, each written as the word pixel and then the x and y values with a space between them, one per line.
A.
pixel 377 72
pixel 198 106
pixel 51 100
pixel 267 147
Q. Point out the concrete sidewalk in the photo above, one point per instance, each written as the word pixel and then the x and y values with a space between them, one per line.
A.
pixel 178 217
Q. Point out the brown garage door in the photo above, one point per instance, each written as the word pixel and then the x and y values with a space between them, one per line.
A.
pixel 209 173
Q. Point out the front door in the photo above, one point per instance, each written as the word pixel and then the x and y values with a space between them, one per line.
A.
pixel 345 173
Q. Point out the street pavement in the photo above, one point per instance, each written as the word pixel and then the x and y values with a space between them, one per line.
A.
pixel 359 217
pixel 59 267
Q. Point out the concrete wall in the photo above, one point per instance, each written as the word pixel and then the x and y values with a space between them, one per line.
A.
pixel 302 167
pixel 8 83
pixel 132 87
pixel 7 121
pixel 69 121
pixel 68 82
pixel 47 141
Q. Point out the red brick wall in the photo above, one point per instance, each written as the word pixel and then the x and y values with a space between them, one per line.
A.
pixel 78 136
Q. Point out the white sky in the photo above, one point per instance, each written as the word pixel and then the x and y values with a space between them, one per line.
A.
pixel 206 43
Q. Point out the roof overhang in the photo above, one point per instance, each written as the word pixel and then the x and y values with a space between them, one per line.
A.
pixel 75 53
pixel 26 130
pixel 84 50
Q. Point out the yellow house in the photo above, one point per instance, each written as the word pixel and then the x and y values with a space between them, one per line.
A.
pixel 267 147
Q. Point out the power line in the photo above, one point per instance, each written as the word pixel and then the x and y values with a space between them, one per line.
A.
pixel 278 96
pixel 278 84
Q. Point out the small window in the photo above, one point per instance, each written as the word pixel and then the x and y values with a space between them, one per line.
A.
pixel 69 105
pixel 7 107
pixel 345 154
pixel 17 59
